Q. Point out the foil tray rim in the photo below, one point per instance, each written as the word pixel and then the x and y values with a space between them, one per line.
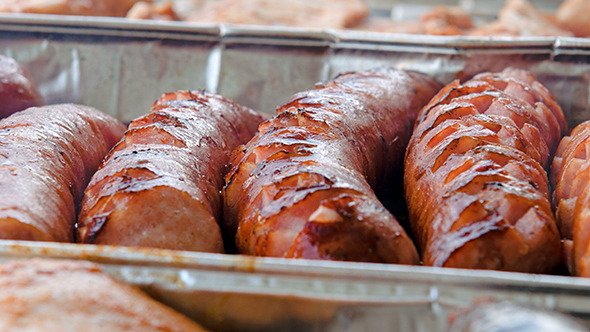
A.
pixel 73 25
pixel 105 254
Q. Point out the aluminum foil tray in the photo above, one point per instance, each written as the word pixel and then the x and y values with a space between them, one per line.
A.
pixel 121 67
pixel 242 293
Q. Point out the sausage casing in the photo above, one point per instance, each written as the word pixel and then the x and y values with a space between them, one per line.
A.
pixel 47 156
pixel 46 294
pixel 475 184
pixel 17 88
pixel 160 186
pixel 569 176
pixel 303 186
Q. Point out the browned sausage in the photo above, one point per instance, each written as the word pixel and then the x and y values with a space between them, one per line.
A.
pixel 570 178
pixel 160 186
pixel 476 189
pixel 63 295
pixel 47 156
pixel 17 88
pixel 69 7
pixel 303 187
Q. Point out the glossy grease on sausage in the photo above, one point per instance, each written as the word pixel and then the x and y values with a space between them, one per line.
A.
pixel 160 186
pixel 475 182
pixel 303 186
pixel 47 156
pixel 569 176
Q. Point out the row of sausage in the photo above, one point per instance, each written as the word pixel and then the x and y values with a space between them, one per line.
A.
pixel 475 157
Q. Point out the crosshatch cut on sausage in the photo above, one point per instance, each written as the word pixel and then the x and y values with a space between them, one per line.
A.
pixel 475 175
pixel 161 185
pixel 303 187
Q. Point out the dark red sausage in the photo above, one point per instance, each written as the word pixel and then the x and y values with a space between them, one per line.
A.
pixel 303 187
pixel 475 185
pixel 17 88
pixel 160 186
pixel 47 156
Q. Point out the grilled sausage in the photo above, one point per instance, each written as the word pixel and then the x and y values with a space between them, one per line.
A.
pixel 69 7
pixel 17 88
pixel 47 156
pixel 303 187
pixel 65 295
pixel 569 176
pixel 475 185
pixel 160 186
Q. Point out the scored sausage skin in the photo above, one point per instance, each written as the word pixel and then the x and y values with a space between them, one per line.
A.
pixel 303 186
pixel 160 186
pixel 569 177
pixel 47 156
pixel 476 188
